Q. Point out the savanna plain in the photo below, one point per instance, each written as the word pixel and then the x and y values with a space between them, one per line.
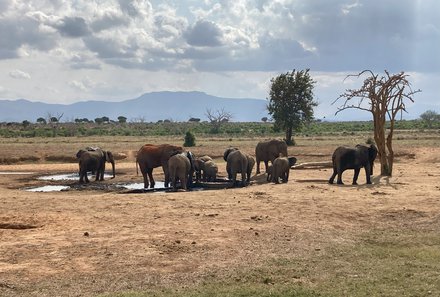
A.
pixel 301 238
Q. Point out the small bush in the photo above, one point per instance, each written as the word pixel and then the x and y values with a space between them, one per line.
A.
pixel 369 141
pixel 190 139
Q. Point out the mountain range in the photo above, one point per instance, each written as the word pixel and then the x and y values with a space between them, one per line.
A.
pixel 150 107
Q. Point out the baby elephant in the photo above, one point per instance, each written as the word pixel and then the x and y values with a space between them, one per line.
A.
pixel 281 168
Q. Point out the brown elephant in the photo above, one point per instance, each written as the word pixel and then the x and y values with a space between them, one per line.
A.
pixel 94 160
pixel 268 151
pixel 179 166
pixel 151 156
pixel 281 169
pixel 238 162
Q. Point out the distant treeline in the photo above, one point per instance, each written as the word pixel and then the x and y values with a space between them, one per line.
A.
pixel 57 129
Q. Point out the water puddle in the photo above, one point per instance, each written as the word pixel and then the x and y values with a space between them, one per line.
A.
pixel 140 186
pixel 49 188
pixel 114 187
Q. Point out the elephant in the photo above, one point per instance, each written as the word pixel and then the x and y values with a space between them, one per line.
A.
pixel 205 168
pixel 151 156
pixel 281 169
pixel 179 166
pixel 268 151
pixel 94 160
pixel 238 162
pixel 269 171
pixel 353 158
pixel 210 170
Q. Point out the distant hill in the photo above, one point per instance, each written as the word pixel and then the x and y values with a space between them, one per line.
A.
pixel 150 107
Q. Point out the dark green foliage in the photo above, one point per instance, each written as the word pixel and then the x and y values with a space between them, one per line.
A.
pixel 122 119
pixel 190 139
pixel 291 101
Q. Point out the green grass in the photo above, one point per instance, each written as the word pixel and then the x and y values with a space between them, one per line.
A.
pixel 379 263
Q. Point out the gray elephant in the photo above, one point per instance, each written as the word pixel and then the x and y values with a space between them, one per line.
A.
pixel 269 172
pixel 268 151
pixel 205 170
pixel 179 168
pixel 238 162
pixel 353 158
pixel 281 169
pixel 94 160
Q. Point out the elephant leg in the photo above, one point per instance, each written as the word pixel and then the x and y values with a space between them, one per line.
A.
pixel 150 175
pixel 266 164
pixel 286 179
pixel 97 174
pixel 356 175
pixel 101 172
pixel 368 174
pixel 184 182
pixel 332 178
pixel 243 178
pixel 234 178
pixel 166 174
pixel 340 171
pixel 258 166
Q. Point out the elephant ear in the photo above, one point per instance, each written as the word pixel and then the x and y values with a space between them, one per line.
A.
pixel 79 153
pixel 372 152
pixel 106 155
pixel 228 151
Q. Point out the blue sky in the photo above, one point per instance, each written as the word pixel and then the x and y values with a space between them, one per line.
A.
pixel 60 51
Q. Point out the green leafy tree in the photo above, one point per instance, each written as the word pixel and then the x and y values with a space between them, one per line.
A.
pixel 430 117
pixel 41 120
pixel 25 123
pixel 122 119
pixel 291 101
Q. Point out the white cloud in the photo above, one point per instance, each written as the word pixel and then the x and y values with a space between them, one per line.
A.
pixel 227 47
pixel 18 74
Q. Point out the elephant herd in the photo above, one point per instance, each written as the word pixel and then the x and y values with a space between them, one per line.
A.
pixel 182 166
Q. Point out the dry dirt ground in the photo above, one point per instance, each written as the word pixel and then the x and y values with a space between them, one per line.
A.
pixel 90 241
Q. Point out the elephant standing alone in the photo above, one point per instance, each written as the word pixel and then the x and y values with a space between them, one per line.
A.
pixel 94 160
pixel 268 151
pixel 353 158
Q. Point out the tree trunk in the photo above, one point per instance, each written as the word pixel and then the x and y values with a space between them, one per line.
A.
pixel 289 132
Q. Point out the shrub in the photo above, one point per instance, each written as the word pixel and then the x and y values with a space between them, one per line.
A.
pixel 190 139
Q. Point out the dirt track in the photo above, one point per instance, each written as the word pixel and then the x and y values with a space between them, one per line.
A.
pixel 88 242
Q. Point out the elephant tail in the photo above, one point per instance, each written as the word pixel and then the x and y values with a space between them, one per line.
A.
pixel 137 172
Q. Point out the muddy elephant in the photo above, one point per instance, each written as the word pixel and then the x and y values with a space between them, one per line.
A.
pixel 94 160
pixel 281 169
pixel 151 156
pixel 179 167
pixel 266 151
pixel 353 158
pixel 238 162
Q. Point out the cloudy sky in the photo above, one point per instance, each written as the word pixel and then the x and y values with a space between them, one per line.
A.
pixel 60 51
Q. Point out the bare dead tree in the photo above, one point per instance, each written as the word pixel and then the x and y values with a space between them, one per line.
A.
pixel 217 118
pixel 386 96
